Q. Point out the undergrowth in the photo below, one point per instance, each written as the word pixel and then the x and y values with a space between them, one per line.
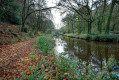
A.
pixel 61 68
pixel 96 37
pixel 84 72
pixel 45 43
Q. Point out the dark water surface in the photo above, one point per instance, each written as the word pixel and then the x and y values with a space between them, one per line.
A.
pixel 89 52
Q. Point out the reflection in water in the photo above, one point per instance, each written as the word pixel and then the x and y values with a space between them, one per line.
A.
pixel 95 53
pixel 60 45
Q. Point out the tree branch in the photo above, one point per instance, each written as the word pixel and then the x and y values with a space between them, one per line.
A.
pixel 38 10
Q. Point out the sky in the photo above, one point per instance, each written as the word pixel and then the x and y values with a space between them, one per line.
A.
pixel 56 13
pixel 57 17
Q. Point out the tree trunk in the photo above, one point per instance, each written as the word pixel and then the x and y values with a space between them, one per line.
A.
pixel 84 27
pixel 89 27
pixel 78 26
pixel 102 18
pixel 23 16
pixel 72 27
pixel 99 26
pixel 109 17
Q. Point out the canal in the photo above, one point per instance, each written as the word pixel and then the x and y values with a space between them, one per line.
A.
pixel 88 52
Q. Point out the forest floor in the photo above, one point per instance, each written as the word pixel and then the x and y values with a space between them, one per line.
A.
pixel 11 58
pixel 10 34
pixel 19 60
pixel 16 58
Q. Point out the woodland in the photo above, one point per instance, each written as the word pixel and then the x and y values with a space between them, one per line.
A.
pixel 28 39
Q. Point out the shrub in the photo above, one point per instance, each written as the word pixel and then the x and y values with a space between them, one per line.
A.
pixel 82 71
pixel 45 43
pixel 10 11
pixel 88 36
pixel 14 17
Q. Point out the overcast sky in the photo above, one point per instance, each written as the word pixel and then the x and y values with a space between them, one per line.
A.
pixel 56 13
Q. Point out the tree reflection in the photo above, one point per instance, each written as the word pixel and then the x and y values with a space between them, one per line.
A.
pixel 96 53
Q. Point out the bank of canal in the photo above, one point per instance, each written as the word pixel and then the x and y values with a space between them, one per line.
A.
pixel 88 52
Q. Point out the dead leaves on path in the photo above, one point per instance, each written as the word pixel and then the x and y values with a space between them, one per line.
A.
pixel 17 59
pixel 10 55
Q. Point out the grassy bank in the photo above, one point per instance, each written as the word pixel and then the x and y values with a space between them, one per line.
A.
pixel 45 43
pixel 83 72
pixel 96 37
pixel 47 66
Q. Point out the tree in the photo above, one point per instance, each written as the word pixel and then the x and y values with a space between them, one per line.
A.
pixel 10 11
pixel 110 16
pixel 30 8
pixel 83 9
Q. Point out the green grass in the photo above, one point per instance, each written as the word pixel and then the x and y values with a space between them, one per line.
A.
pixel 67 66
pixel 97 37
pixel 71 34
pixel 45 43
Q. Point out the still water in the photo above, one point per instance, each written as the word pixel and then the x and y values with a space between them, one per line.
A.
pixel 89 52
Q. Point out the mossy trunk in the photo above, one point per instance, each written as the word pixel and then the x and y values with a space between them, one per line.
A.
pixel 89 27
pixel 79 26
pixel 99 26
pixel 109 17
pixel 73 26
pixel 102 18
pixel 23 16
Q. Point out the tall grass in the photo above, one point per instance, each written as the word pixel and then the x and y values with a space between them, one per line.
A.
pixel 45 43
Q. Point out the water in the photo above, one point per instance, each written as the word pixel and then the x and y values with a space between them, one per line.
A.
pixel 89 52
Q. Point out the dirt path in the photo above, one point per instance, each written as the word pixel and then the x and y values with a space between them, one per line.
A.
pixel 9 54
pixel 21 59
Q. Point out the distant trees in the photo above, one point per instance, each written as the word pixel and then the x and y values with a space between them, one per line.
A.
pixel 84 11
pixel 101 14
pixel 38 9
pixel 30 14
pixel 91 15
pixel 110 16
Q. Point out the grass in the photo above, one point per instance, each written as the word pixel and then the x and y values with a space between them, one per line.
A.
pixel 39 71
pixel 45 43
pixel 76 70
pixel 67 69
pixel 81 71
pixel 71 34
pixel 96 37
pixel 64 68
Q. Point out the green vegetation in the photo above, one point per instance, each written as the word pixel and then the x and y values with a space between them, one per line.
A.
pixel 36 73
pixel 46 43
pixel 66 68
pixel 82 71
pixel 10 11
pixel 27 19
pixel 96 37
pixel 94 18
